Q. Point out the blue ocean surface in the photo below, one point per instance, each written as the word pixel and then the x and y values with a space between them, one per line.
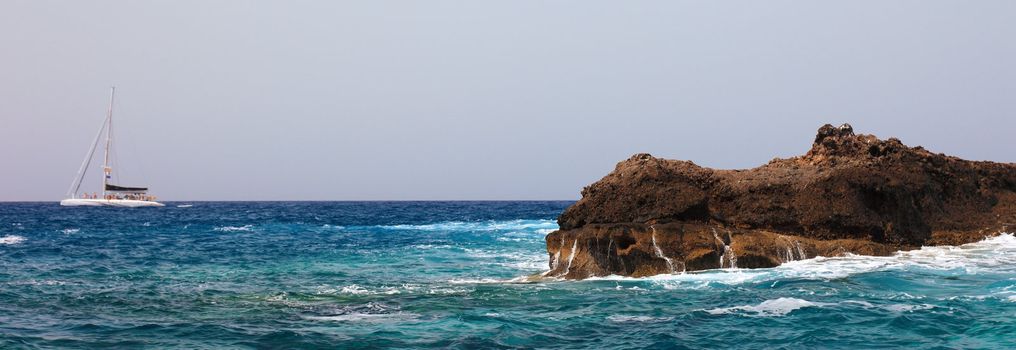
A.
pixel 253 275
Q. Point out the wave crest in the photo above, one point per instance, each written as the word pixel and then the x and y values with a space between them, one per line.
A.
pixel 12 239
pixel 234 228
pixel 539 226
pixel 768 308
pixel 991 254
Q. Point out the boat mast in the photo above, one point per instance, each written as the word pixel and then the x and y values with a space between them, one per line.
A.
pixel 106 170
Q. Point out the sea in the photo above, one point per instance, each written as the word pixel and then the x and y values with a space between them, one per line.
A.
pixel 359 275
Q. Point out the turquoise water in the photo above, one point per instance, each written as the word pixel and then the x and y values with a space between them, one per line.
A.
pixel 445 274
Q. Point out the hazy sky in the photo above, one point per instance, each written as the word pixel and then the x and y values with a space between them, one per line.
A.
pixel 342 100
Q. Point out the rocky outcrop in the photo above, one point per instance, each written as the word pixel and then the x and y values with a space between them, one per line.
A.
pixel 849 194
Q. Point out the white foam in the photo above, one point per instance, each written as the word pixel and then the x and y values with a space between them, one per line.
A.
pixel 408 288
pixel 38 283
pixel 12 239
pixel 431 246
pixel 366 317
pixel 476 281
pixel 185 206
pixel 235 228
pixel 70 231
pixel 859 302
pixel 354 289
pixel 629 318
pixel 538 226
pixel 908 307
pixel 528 261
pixel 691 280
pixel 992 254
pixel 768 308
pixel 1012 298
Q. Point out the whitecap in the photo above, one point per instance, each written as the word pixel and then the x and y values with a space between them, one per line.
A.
pixel 359 290
pixel 184 205
pixel 369 312
pixel 365 317
pixel 908 307
pixel 476 281
pixel 431 246
pixel 392 290
pixel 492 225
pixel 1012 298
pixel 528 261
pixel 692 280
pixel 859 302
pixel 354 289
pixel 990 254
pixel 769 308
pixel 629 318
pixel 38 283
pixel 234 228
pixel 69 231
pixel 12 239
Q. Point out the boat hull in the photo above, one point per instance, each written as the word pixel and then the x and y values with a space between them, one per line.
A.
pixel 124 203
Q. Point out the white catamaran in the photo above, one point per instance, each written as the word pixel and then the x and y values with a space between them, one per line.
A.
pixel 112 195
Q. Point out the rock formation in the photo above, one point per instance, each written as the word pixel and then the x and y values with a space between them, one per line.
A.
pixel 849 194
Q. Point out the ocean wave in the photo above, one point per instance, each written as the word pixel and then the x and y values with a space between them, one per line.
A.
pixel 636 319
pixel 431 246
pixel 370 312
pixel 38 283
pixel 515 260
pixel 12 239
pixel 69 231
pixel 768 308
pixel 990 254
pixel 908 307
pixel 354 317
pixel 234 228
pixel 478 281
pixel 783 306
pixel 524 279
pixel 537 226
pixel 355 289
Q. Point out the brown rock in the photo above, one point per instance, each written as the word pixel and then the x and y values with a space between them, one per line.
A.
pixel 848 194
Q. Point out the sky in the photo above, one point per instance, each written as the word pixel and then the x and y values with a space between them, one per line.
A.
pixel 480 100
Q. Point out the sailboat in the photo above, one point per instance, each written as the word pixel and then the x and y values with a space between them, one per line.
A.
pixel 112 195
